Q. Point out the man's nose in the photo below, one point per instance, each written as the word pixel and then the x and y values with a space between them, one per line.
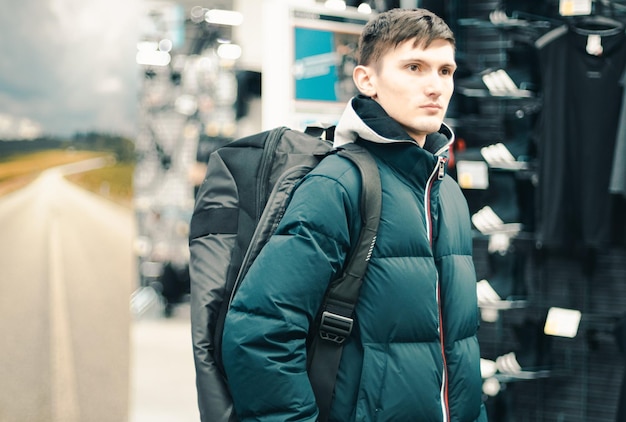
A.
pixel 434 85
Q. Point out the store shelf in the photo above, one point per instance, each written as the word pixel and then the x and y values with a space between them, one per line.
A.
pixel 503 305
pixel 485 93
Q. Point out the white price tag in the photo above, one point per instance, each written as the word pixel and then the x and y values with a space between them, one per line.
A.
pixel 562 322
pixel 594 45
pixel 575 7
pixel 472 174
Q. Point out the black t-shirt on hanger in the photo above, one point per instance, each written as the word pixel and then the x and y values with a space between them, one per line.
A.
pixel 580 71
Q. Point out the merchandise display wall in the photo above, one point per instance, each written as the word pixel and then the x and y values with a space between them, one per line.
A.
pixel 539 132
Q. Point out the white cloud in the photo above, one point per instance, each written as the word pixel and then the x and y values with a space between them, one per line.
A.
pixel 70 64
pixel 12 127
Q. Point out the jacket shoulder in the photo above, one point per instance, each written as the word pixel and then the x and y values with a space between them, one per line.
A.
pixel 339 170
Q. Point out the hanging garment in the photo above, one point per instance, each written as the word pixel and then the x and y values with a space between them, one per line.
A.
pixel 581 66
pixel 618 175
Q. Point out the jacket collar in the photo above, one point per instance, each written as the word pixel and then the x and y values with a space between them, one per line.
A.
pixel 365 118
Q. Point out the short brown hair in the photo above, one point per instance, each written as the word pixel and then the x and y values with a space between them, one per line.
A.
pixel 395 26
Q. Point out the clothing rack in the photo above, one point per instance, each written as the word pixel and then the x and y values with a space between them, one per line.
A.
pixel 561 376
pixel 608 9
pixel 597 24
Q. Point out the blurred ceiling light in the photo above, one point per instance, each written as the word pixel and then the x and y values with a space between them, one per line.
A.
pixel 186 104
pixel 335 4
pixel 223 17
pixel 205 64
pixel 364 8
pixel 197 14
pixel 165 45
pixel 153 58
pixel 229 51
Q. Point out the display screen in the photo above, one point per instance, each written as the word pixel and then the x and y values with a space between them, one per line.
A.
pixel 323 66
pixel 324 57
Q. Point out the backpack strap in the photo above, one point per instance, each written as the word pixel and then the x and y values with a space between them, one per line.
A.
pixel 336 313
pixel 321 131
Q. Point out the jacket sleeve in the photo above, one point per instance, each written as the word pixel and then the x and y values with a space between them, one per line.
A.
pixel 264 341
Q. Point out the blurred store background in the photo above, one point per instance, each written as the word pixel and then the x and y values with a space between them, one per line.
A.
pixel 110 108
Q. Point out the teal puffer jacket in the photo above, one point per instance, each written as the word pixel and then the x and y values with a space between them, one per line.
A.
pixel 413 354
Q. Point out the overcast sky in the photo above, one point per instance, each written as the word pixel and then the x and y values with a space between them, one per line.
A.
pixel 68 66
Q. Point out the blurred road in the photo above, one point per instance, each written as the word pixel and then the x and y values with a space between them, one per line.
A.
pixel 70 350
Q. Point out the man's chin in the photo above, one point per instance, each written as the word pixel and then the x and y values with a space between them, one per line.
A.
pixel 425 126
pixel 431 126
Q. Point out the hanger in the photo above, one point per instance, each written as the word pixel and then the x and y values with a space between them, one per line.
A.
pixel 597 25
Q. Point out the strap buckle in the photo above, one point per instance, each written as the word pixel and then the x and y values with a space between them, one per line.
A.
pixel 335 328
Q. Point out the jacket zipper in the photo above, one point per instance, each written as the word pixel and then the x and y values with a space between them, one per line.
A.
pixel 438 173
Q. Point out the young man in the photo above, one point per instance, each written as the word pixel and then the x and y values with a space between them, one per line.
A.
pixel 413 353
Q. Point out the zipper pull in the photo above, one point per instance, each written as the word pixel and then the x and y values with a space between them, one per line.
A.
pixel 442 169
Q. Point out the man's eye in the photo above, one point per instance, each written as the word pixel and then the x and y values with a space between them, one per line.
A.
pixel 414 68
pixel 446 71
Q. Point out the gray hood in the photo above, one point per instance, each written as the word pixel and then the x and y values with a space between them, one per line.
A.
pixel 365 118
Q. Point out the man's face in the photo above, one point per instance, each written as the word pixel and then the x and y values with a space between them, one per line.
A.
pixel 414 85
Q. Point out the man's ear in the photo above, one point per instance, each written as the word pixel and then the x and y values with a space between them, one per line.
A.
pixel 363 77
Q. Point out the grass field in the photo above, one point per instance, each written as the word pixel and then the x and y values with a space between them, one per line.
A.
pixel 114 182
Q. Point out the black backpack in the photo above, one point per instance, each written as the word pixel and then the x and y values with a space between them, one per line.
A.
pixel 245 192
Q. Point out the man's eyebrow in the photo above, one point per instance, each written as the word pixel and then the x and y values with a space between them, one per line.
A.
pixel 451 64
